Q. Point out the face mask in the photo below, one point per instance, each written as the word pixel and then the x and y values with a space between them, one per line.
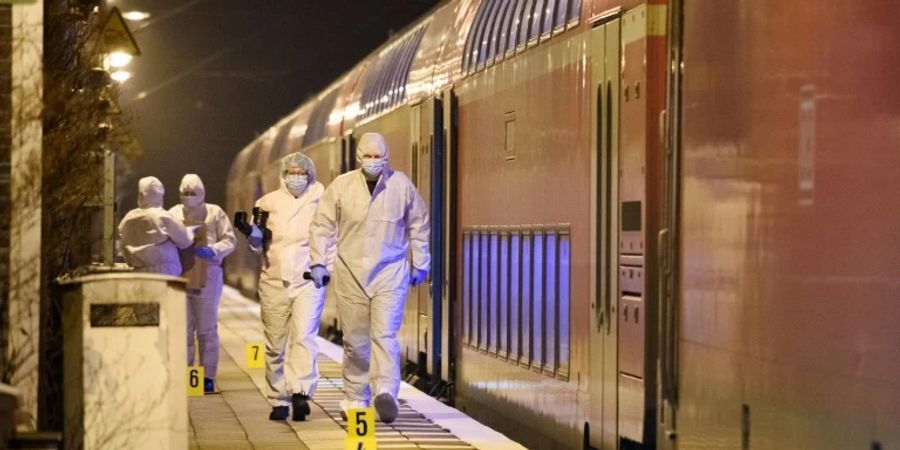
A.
pixel 296 183
pixel 191 201
pixel 373 166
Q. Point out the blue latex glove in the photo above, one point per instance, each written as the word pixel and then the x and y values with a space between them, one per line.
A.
pixel 318 274
pixel 418 276
pixel 205 252
pixel 255 242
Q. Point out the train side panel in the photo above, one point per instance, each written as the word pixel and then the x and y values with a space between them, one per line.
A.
pixel 789 318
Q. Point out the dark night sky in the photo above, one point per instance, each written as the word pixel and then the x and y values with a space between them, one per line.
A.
pixel 218 72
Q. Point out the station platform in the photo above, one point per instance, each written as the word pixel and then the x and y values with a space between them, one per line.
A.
pixel 237 416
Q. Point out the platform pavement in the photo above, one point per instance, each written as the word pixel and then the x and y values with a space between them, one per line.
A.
pixel 237 418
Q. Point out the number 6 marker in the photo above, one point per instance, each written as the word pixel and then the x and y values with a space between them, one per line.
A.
pixel 195 381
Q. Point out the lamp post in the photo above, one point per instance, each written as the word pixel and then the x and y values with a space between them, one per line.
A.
pixel 116 47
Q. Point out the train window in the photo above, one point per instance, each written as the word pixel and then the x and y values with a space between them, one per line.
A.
pixel 280 145
pixel 551 301
pixel 631 216
pixel 514 19
pixel 476 288
pixel 549 15
pixel 468 53
pixel 318 120
pixel 525 24
pixel 484 12
pixel 536 21
pixel 484 269
pixel 385 84
pixel 563 282
pixel 537 311
pixel 515 297
pixel 486 35
pixel 574 12
pixel 495 54
pixel 504 28
pixel 467 286
pixel 527 297
pixel 561 10
pixel 494 289
pixel 503 342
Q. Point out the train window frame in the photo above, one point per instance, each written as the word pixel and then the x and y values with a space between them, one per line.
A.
pixel 574 16
pixel 513 35
pixel 551 299
pixel 479 33
pixel 539 299
pixel 476 288
pixel 407 56
pixel 484 285
pixel 317 124
pixel 527 297
pixel 525 26
pixel 515 296
pixel 493 291
pixel 537 20
pixel 491 55
pixel 564 282
pixel 547 21
pixel 400 54
pixel 503 295
pixel 494 6
pixel 503 37
pixel 467 285
pixel 470 40
pixel 561 16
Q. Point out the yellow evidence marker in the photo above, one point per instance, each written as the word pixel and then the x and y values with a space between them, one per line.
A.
pixel 195 381
pixel 255 352
pixel 360 429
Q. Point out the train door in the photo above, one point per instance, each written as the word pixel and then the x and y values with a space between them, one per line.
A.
pixel 426 136
pixel 667 395
pixel 348 153
pixel 445 190
pixel 603 425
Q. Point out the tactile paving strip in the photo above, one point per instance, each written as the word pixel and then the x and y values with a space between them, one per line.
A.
pixel 411 430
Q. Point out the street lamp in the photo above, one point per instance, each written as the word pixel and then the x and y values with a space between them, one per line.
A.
pixel 116 47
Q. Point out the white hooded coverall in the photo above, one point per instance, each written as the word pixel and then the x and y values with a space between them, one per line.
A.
pixel 203 304
pixel 291 307
pixel 149 236
pixel 375 235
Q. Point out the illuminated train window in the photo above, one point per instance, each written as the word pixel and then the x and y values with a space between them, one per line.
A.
pixel 516 295
pixel 385 84
pixel 500 27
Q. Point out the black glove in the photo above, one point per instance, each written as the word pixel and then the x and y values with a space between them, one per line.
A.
pixel 240 222
pixel 260 218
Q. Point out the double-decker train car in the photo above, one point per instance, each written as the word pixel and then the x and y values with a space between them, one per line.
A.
pixel 655 224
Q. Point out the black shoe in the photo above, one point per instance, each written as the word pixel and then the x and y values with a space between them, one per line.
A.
pixel 300 404
pixel 279 413
pixel 386 407
pixel 209 386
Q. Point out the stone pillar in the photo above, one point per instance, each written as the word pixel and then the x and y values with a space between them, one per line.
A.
pixel 25 195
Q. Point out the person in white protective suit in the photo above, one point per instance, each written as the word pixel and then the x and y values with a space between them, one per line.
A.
pixel 291 307
pixel 378 218
pixel 149 236
pixel 203 300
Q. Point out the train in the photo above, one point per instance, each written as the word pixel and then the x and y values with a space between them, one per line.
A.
pixel 655 223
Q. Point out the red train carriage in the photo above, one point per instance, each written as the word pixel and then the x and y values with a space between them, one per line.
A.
pixel 655 224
